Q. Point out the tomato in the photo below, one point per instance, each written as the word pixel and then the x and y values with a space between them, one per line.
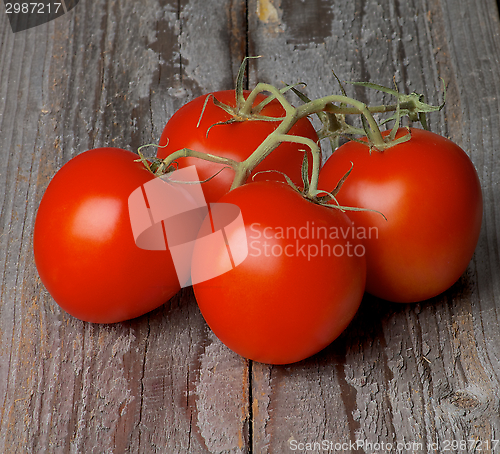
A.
pixel 429 191
pixel 84 248
pixel 236 141
pixel 300 284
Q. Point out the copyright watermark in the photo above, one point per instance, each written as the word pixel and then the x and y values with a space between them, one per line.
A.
pixel 308 241
pixel 364 446
pixel 402 447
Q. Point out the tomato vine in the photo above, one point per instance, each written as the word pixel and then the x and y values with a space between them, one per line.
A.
pixel 331 109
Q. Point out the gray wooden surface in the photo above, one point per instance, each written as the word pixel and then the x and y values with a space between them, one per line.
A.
pixel 422 377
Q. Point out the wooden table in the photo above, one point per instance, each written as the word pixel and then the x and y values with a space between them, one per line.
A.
pixel 416 378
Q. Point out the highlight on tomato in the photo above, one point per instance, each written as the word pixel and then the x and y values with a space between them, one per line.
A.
pixel 300 284
pixel 203 126
pixel 84 248
pixel 429 192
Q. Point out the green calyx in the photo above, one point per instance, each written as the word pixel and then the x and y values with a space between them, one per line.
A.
pixel 320 197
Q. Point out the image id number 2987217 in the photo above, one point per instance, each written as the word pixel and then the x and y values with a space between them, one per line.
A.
pixel 469 445
pixel 32 7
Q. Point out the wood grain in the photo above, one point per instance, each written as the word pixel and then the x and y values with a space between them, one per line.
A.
pixel 428 374
pixel 112 73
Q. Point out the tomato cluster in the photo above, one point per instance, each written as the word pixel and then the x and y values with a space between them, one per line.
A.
pixel 400 223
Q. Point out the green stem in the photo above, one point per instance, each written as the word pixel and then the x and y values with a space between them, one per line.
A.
pixel 318 105
pixel 293 114
pixel 270 142
pixel 316 159
pixel 324 103
pixel 186 152
pixel 345 110
pixel 260 88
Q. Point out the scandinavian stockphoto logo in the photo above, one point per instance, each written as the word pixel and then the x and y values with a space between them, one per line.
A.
pixel 24 14
pixel 171 212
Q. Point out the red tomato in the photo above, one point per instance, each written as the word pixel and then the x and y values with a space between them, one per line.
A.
pixel 236 141
pixel 84 249
pixel 429 191
pixel 300 284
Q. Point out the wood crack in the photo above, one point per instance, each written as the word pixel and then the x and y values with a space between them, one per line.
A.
pixel 143 374
pixel 250 407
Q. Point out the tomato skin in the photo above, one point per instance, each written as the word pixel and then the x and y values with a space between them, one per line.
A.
pixel 280 306
pixel 430 193
pixel 84 248
pixel 236 141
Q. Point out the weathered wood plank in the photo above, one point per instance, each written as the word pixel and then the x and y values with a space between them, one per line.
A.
pixel 423 374
pixel 108 73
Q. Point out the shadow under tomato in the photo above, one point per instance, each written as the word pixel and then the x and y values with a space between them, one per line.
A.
pixel 375 316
